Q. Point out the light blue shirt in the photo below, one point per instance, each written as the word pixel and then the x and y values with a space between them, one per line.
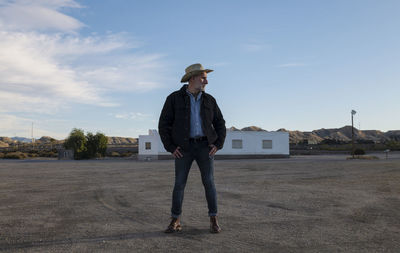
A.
pixel 196 129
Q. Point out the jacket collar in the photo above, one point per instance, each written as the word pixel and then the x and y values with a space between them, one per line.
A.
pixel 184 88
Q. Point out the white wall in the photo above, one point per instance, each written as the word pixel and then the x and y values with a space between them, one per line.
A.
pixel 157 147
pixel 251 143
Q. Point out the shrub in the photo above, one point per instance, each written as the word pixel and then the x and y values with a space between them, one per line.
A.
pixel 393 145
pixel 127 154
pixel 89 146
pixel 15 155
pixel 48 154
pixel 96 145
pixel 115 154
pixel 77 142
pixel 359 151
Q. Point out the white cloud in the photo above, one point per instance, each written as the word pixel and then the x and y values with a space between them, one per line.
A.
pixel 127 73
pixel 46 65
pixel 25 103
pixel 49 70
pixel 12 125
pixel 293 64
pixel 132 115
pixel 254 47
pixel 38 14
pixel 28 69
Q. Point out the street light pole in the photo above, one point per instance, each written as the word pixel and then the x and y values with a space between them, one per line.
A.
pixel 352 132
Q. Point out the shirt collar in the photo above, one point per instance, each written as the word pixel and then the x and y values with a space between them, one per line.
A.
pixel 190 94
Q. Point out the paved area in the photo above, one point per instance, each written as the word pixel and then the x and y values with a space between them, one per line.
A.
pixel 300 204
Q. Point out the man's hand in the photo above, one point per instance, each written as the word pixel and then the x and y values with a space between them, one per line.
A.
pixel 213 150
pixel 177 153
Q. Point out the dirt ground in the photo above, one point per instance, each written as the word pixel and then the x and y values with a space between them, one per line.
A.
pixel 299 204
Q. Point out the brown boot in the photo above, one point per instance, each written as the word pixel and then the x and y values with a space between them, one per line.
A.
pixel 174 226
pixel 214 226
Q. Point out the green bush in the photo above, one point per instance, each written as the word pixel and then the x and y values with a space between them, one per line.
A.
pixel 115 154
pixel 77 142
pixel 127 154
pixel 359 151
pixel 393 145
pixel 96 145
pixel 342 147
pixel 85 147
pixel 48 154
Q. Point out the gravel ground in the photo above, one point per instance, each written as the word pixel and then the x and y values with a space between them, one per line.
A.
pixel 300 204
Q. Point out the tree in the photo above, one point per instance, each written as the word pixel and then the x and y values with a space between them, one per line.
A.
pixel 77 142
pixel 85 147
pixel 96 145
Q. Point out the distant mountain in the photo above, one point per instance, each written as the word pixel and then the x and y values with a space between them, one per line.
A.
pixel 253 128
pixel 298 136
pixel 22 139
pixel 314 137
pixel 46 139
pixel 338 134
pixel 4 144
pixel 122 141
pixel 344 134
pixel 7 141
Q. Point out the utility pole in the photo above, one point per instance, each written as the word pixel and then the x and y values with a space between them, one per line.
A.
pixel 33 140
pixel 352 132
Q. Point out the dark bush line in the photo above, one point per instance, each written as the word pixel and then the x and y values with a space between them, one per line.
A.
pixel 25 155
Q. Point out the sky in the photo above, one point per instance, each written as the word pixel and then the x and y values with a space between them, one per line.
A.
pixel 107 66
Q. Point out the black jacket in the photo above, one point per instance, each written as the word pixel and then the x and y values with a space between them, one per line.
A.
pixel 174 123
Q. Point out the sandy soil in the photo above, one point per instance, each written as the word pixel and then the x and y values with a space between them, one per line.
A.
pixel 300 204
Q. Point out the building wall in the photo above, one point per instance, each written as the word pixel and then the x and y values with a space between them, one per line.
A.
pixel 252 144
pixel 65 154
pixel 157 147
pixel 143 139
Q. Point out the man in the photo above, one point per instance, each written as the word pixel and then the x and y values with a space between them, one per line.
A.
pixel 192 127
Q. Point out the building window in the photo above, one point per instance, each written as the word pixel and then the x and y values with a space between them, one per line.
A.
pixel 148 145
pixel 237 144
pixel 267 144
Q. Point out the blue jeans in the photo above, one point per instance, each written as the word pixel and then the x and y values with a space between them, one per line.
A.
pixel 198 151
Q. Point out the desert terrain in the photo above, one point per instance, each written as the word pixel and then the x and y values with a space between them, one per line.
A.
pixel 298 204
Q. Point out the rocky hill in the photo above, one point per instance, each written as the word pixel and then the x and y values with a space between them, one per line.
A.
pixel 314 137
pixel 6 141
pixel 338 134
pixel 122 141
pixel 4 144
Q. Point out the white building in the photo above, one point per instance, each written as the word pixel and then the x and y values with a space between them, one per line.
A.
pixel 238 144
pixel 151 147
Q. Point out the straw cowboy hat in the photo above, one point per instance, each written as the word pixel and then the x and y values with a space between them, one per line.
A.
pixel 192 70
